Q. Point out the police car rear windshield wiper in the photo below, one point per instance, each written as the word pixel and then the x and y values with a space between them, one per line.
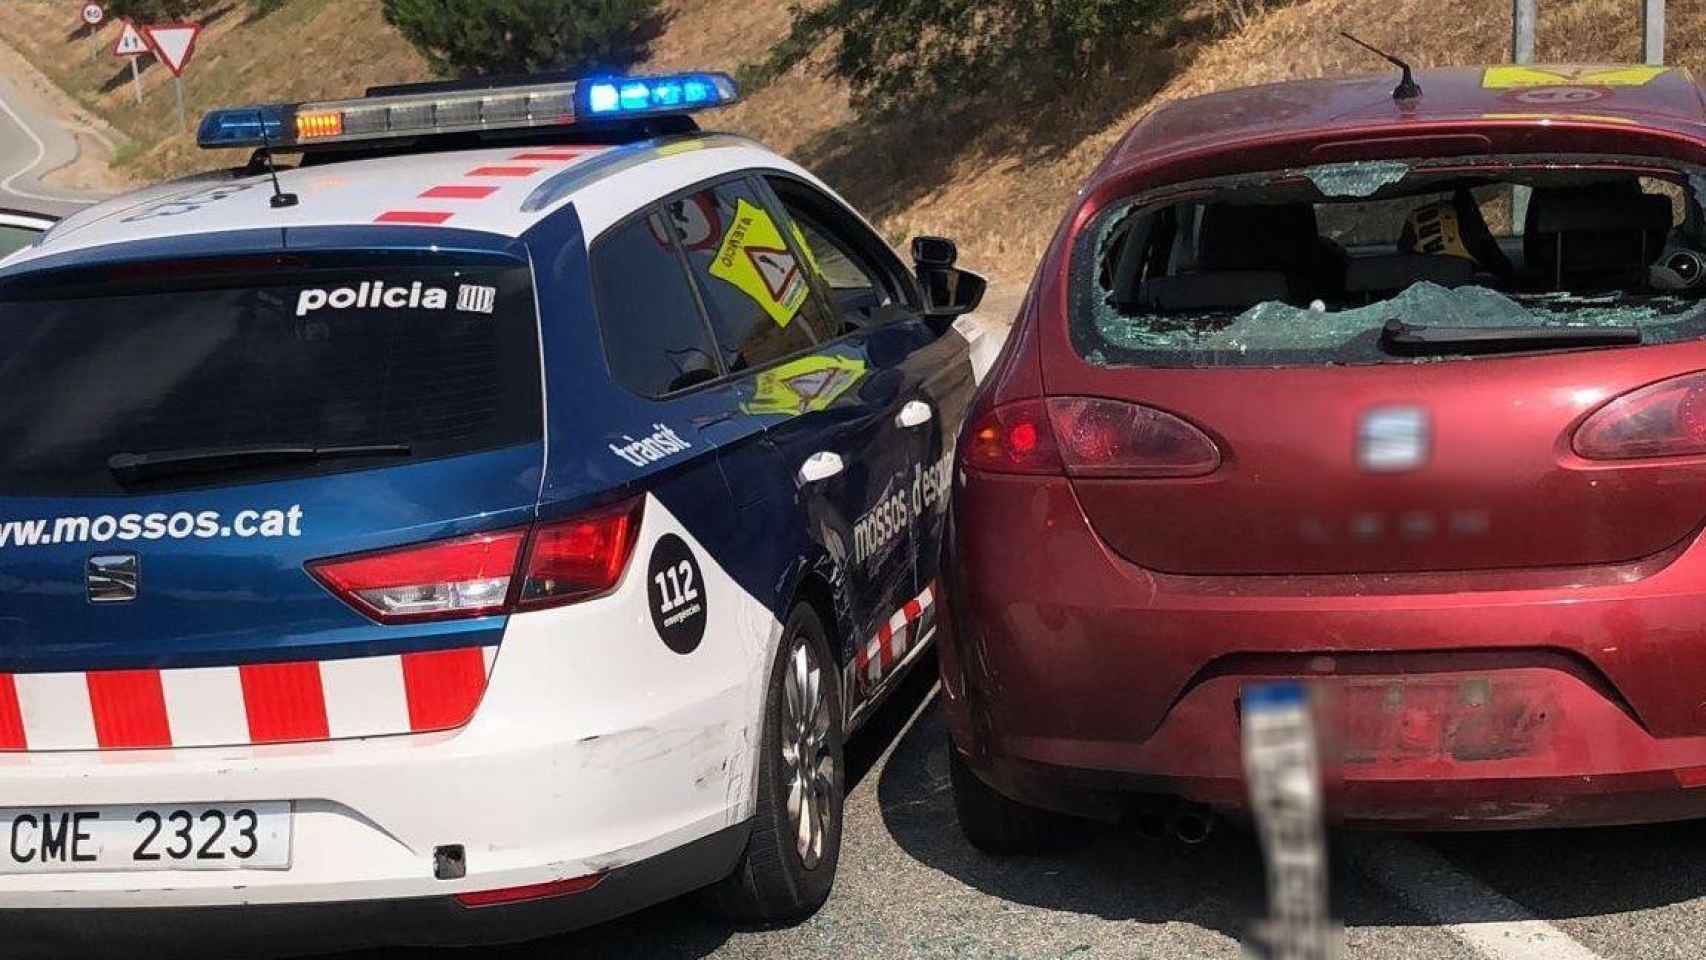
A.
pixel 133 467
pixel 1398 337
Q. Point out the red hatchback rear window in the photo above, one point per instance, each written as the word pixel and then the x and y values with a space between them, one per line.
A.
pixel 1392 261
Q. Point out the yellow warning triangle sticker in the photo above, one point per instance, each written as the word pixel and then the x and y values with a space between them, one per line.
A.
pixel 777 268
pixel 1517 77
pixel 754 257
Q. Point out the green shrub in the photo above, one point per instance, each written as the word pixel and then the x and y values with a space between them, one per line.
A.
pixel 153 11
pixel 893 52
pixel 471 37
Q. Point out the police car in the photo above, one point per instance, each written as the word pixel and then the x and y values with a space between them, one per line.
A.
pixel 490 523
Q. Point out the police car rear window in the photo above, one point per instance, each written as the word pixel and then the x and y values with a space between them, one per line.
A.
pixel 434 361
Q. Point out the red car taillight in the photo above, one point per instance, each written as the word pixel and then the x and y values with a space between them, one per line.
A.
pixel 1089 437
pixel 558 562
pixel 1664 419
pixel 1014 438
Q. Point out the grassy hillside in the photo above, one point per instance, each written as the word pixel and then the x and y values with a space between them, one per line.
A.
pixel 305 49
pixel 995 177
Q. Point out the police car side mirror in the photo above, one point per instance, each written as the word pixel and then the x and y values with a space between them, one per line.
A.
pixel 934 253
pixel 948 290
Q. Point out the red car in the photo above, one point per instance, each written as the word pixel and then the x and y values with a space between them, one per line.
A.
pixel 1399 393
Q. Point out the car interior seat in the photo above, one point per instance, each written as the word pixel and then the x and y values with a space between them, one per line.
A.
pixel 1597 236
pixel 1446 242
pixel 1247 254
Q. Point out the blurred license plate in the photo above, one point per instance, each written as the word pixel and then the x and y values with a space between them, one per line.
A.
pixel 236 836
pixel 1458 717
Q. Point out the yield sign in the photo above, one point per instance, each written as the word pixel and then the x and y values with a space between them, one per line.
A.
pixel 129 43
pixel 173 43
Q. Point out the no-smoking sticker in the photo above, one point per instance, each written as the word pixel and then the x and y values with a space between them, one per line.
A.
pixel 676 591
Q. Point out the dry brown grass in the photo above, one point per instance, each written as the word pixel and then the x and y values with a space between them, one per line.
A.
pixel 995 177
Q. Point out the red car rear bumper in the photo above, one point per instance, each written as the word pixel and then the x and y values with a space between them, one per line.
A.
pixel 1075 680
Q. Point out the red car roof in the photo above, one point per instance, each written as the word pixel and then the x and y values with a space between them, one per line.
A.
pixel 1656 98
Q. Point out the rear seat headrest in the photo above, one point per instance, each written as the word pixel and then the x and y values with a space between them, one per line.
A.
pixel 1280 237
pixel 1599 233
pixel 1596 208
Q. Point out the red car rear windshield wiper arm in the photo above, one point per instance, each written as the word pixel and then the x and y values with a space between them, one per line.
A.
pixel 131 467
pixel 1401 338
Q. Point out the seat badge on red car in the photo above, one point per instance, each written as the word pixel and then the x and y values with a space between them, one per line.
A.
pixel 1392 439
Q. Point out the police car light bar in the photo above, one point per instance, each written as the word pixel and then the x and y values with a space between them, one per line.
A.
pixel 512 107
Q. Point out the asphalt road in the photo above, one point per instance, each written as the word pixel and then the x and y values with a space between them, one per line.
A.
pixel 32 143
pixel 910 886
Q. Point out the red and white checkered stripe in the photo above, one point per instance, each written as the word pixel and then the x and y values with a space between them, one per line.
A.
pixel 904 628
pixel 485 181
pixel 260 703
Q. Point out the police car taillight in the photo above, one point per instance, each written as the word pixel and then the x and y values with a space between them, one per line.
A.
pixel 489 107
pixel 558 562
pixel 464 577
pixel 579 558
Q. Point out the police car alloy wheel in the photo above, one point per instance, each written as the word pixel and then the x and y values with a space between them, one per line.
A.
pixel 809 769
pixel 790 859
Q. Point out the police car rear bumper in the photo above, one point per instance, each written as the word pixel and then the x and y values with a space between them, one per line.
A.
pixel 233 932
pixel 596 748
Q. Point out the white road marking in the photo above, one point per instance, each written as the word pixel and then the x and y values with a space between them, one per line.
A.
pixel 1502 929
pixel 9 185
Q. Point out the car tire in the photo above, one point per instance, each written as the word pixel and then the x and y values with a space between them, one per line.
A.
pixel 783 878
pixel 999 825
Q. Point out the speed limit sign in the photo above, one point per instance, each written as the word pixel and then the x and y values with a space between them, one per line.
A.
pixel 93 14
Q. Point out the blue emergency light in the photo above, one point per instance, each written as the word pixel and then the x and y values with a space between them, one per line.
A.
pixel 436 108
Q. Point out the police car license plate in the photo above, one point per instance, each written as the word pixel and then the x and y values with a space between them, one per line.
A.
pixel 236 836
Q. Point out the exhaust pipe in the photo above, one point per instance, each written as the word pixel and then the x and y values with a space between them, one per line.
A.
pixel 1191 824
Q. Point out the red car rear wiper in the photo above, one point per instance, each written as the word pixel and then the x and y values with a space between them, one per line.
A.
pixel 1401 338
pixel 132 467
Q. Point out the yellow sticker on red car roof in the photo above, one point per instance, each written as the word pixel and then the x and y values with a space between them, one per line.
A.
pixel 755 258
pixel 1518 77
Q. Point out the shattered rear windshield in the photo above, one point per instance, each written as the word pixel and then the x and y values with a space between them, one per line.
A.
pixel 1317 265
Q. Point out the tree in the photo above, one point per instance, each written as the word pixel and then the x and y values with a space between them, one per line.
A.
pixel 152 11
pixel 470 37
pixel 894 52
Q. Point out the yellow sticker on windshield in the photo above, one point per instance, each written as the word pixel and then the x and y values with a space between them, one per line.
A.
pixel 755 259
pixel 1517 78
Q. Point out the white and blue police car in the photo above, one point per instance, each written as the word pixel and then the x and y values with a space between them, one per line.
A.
pixel 485 513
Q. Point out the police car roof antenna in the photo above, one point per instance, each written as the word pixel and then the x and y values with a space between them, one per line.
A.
pixel 280 199
pixel 1407 88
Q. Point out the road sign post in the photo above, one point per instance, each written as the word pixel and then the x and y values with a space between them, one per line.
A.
pixel 1522 31
pixel 93 15
pixel 1653 31
pixel 130 44
pixel 174 44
